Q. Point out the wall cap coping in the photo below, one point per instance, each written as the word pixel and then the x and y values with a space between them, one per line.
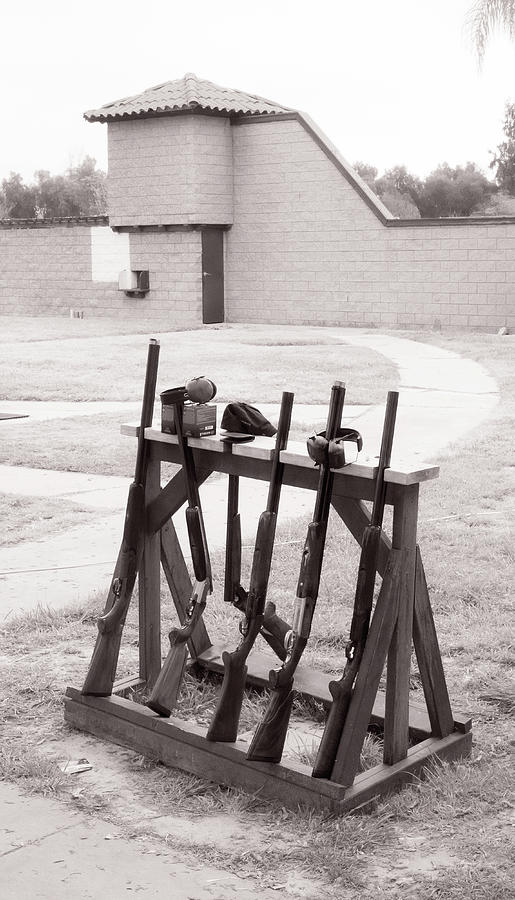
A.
pixel 54 221
pixel 159 227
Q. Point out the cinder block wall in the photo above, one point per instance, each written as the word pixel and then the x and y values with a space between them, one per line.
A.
pixel 306 248
pixel 47 270
pixel 171 170
pixel 50 269
pixel 174 261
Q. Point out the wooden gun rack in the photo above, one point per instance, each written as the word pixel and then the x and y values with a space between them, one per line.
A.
pixel 414 734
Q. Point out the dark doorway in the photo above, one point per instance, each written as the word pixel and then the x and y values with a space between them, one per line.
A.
pixel 212 276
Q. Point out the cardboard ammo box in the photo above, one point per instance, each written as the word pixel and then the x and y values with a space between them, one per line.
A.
pixel 199 419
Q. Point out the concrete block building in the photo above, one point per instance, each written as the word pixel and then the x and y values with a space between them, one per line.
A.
pixel 241 210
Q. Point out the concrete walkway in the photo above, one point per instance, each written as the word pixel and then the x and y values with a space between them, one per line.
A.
pixel 52 852
pixel 442 397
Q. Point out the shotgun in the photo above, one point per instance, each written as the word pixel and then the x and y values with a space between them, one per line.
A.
pixel 274 629
pixel 224 725
pixel 102 669
pixel 164 694
pixel 268 742
pixel 341 691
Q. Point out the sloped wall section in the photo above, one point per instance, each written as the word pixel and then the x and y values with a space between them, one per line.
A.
pixel 306 247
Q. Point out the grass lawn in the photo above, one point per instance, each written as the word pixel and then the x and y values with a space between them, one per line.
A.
pixel 91 444
pixel 246 363
pixel 443 838
pixel 58 362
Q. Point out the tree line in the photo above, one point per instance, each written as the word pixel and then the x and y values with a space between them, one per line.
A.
pixel 80 191
pixel 450 191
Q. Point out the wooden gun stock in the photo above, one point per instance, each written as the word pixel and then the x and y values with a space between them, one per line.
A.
pixel 224 724
pixel 268 742
pixel 163 698
pixel 341 691
pixel 102 669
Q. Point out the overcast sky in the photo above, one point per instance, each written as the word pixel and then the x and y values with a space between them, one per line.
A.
pixel 389 81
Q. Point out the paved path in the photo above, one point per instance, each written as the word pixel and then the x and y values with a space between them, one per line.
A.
pixel 52 852
pixel 442 396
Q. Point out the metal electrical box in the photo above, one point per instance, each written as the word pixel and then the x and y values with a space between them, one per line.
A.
pixel 135 282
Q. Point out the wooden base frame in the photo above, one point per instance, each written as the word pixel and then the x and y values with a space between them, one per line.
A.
pixel 182 745
pixel 414 734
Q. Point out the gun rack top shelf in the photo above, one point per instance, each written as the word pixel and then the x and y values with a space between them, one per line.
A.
pixel 402 470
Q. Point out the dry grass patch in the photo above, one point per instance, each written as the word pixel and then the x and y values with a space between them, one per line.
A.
pixel 90 444
pixel 112 367
pixel 34 518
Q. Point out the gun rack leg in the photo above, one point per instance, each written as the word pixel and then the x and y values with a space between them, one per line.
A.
pixel 396 718
pixel 179 582
pixel 429 658
pixel 372 664
pixel 150 588
pixel 404 535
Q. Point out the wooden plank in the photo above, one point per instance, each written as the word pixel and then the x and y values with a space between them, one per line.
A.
pixel 370 671
pixel 207 759
pixel 307 682
pixel 429 658
pixel 402 471
pixel 260 469
pixel 310 683
pixel 404 536
pixel 149 584
pixel 130 682
pixel 380 780
pixel 182 745
pixel 180 585
pixel 211 442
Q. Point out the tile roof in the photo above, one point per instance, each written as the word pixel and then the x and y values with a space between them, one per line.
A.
pixel 185 93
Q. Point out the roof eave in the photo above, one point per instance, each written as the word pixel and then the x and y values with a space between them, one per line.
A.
pixel 97 116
